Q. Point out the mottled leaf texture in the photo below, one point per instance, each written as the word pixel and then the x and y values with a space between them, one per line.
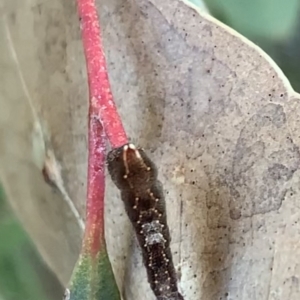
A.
pixel 213 111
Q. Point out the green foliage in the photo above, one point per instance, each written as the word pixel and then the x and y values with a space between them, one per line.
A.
pixel 271 19
pixel 18 277
pixel 93 279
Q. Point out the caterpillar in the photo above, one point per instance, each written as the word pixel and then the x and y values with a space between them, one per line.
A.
pixel 135 175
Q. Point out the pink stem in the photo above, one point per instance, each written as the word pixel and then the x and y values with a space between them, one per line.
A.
pixel 94 231
pixel 103 117
pixel 99 86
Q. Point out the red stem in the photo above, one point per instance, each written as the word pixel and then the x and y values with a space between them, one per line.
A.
pixel 103 117
pixel 99 86
pixel 94 231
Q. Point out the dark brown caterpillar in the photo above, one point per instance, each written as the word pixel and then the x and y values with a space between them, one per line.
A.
pixel 136 177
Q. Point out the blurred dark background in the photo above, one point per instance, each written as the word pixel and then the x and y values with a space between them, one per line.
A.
pixel 272 24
